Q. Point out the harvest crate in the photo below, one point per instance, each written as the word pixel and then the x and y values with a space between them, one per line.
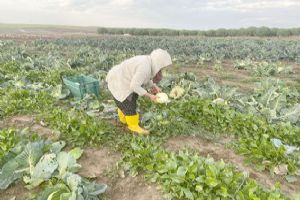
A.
pixel 81 85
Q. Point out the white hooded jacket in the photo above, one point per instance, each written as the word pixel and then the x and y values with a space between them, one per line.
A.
pixel 132 74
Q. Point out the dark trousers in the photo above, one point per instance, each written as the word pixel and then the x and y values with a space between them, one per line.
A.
pixel 129 105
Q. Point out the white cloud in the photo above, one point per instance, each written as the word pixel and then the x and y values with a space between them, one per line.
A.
pixel 191 14
pixel 260 5
pixel 248 5
pixel 122 3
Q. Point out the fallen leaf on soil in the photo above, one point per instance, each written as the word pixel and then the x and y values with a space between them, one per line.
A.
pixel 281 169
pixel 291 179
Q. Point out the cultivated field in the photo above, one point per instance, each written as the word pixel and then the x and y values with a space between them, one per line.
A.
pixel 231 130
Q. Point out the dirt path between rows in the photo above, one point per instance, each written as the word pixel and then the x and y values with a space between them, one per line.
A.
pixel 132 188
pixel 17 191
pixel 96 162
pixel 27 121
pixel 218 151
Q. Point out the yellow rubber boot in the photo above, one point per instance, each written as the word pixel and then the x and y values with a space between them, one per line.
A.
pixel 121 116
pixel 133 125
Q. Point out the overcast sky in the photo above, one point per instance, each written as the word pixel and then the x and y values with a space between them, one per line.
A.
pixel 182 14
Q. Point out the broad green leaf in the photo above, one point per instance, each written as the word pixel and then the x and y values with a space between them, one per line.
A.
pixel 199 188
pixel 291 179
pixel 9 174
pixel 56 147
pixel 22 164
pixel 73 181
pixel 59 92
pixel 187 193
pixel 291 114
pixel 43 170
pixel 53 192
pixel 66 163
pixel 76 152
pixel 181 171
pixel 211 182
pixel 93 189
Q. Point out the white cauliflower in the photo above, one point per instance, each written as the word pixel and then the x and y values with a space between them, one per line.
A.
pixel 219 101
pixel 280 69
pixel 176 92
pixel 162 98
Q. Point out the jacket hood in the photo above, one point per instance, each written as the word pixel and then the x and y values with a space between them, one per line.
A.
pixel 160 59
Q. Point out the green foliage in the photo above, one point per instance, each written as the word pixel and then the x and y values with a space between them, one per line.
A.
pixel 184 116
pixel 251 129
pixel 89 103
pixel 165 121
pixel 59 92
pixel 264 154
pixel 78 128
pixel 263 69
pixel 20 101
pixel 211 90
pixel 40 162
pixel 64 55
pixel 30 83
pixel 250 31
pixel 273 100
pixel 223 119
pixel 218 66
pixel 9 69
pixel 187 176
pixel 49 76
pixel 8 139
pixel 26 158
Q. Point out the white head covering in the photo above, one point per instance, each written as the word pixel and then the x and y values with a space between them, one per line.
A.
pixel 160 59
pixel 130 75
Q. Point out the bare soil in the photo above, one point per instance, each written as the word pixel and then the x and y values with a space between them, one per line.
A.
pixel 32 32
pixel 133 188
pixel 95 161
pixel 219 152
pixel 27 121
pixel 17 191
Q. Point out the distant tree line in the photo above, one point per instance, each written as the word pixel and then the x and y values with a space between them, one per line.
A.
pixel 222 32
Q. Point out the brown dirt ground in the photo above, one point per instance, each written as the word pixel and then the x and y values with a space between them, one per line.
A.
pixel 17 191
pixel 132 188
pixel 96 162
pixel 27 121
pixel 218 151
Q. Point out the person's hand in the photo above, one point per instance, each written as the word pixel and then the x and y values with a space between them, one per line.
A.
pixel 153 98
pixel 155 89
